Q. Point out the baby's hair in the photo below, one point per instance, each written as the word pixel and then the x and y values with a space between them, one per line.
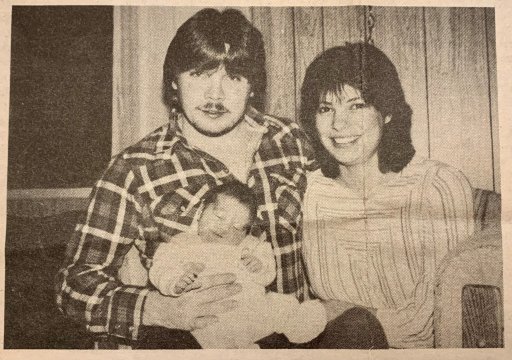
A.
pixel 238 191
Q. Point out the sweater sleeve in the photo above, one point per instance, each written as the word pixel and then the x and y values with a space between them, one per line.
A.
pixel 447 218
pixel 168 263
pixel 263 251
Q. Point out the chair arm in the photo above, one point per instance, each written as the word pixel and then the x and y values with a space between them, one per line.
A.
pixel 475 263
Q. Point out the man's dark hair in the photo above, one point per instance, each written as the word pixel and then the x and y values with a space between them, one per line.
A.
pixel 238 191
pixel 369 70
pixel 200 44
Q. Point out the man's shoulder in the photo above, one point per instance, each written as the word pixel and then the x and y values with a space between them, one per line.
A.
pixel 151 147
pixel 283 125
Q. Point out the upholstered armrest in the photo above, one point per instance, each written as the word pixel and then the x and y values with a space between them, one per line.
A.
pixel 487 209
pixel 469 285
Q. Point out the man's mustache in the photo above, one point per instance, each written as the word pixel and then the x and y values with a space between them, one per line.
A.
pixel 217 107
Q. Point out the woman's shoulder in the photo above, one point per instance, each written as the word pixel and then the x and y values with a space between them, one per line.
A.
pixel 433 173
pixel 430 168
pixel 316 179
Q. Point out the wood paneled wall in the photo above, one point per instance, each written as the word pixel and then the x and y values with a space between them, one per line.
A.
pixel 445 58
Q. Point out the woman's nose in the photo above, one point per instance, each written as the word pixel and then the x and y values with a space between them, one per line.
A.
pixel 339 120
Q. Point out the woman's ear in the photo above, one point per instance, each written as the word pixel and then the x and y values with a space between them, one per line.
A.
pixel 387 119
pixel 174 86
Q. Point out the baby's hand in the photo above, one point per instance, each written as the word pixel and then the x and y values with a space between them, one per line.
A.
pixel 188 281
pixel 251 262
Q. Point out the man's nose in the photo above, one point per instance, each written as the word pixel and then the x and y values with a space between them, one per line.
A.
pixel 215 89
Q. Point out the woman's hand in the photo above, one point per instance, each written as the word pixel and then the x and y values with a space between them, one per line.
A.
pixel 335 308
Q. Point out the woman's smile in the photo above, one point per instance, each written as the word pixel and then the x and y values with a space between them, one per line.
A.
pixel 343 141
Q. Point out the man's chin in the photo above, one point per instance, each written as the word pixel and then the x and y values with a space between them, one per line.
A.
pixel 214 132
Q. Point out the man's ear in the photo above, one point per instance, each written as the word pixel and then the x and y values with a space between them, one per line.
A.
pixel 174 86
pixel 387 119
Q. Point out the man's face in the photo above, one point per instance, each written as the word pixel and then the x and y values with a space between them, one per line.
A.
pixel 213 101
pixel 224 222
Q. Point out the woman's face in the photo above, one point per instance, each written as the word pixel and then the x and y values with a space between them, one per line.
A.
pixel 349 128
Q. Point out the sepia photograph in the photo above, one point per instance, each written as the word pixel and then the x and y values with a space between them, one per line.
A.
pixel 253 177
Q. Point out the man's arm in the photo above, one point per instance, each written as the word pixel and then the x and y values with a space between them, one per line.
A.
pixel 87 286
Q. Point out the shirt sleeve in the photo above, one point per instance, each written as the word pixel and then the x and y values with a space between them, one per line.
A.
pixel 87 286
pixel 447 219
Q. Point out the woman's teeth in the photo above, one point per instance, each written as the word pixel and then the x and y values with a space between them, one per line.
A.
pixel 345 140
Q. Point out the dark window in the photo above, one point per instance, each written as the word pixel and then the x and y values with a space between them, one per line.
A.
pixel 60 120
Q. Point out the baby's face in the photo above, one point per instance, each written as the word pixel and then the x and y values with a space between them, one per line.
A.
pixel 224 222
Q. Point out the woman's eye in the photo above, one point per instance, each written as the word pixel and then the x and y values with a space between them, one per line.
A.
pixel 235 77
pixel 324 109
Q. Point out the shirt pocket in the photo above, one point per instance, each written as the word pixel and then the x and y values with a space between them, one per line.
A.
pixel 177 211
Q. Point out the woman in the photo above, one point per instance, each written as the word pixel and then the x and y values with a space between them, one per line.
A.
pixel 377 220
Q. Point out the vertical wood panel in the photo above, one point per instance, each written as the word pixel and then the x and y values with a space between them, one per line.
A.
pixel 276 25
pixel 491 53
pixel 458 91
pixel 308 25
pixel 343 24
pixel 399 32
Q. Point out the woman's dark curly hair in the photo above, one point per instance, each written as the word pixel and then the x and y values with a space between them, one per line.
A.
pixel 369 70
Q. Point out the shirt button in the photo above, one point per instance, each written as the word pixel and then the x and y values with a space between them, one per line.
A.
pixel 130 329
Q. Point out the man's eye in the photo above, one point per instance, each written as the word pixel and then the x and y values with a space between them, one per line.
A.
pixel 358 106
pixel 196 73
pixel 324 109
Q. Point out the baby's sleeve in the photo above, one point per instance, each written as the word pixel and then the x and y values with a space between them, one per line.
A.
pixel 263 251
pixel 166 269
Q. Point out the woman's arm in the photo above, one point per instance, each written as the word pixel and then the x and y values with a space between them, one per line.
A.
pixel 446 219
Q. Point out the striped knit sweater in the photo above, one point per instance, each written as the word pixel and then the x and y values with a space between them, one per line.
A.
pixel 382 252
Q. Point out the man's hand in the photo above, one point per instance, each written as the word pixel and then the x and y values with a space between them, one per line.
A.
pixel 193 310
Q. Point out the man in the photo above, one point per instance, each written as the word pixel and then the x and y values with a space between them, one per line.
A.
pixel 214 76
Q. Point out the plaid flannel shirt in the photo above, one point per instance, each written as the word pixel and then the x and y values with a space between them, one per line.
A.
pixel 156 186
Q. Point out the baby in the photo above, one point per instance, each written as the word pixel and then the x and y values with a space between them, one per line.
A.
pixel 223 244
